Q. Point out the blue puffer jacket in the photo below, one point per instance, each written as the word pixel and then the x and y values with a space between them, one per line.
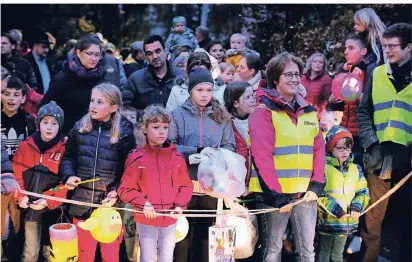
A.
pixel 91 155
pixel 191 129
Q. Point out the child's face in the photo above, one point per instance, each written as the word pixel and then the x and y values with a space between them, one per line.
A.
pixel 100 107
pixel 237 43
pixel 201 95
pixel 11 98
pixel 246 102
pixel 157 133
pixel 179 27
pixel 131 116
pixel 217 52
pixel 359 27
pixel 49 127
pixel 341 151
pixel 227 76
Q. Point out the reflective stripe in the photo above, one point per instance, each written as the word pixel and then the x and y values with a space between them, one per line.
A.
pixel 388 104
pixel 292 173
pixel 340 191
pixel 403 105
pixel 383 106
pixel 395 124
pixel 289 150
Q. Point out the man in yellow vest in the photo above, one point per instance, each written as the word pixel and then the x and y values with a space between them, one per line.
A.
pixel 385 130
pixel 288 154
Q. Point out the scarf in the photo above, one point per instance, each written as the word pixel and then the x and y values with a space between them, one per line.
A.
pixel 76 67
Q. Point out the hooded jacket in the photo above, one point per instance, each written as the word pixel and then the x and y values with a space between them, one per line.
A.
pixel 90 155
pixel 192 128
pixel 173 38
pixel 158 175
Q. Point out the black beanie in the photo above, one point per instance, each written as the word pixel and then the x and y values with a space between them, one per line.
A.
pixel 199 76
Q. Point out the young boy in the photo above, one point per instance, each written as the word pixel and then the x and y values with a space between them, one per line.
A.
pixel 131 114
pixel 347 195
pixel 36 164
pixel 179 30
pixel 238 48
pixel 16 124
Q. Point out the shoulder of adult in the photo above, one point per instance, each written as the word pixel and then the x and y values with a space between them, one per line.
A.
pixel 138 75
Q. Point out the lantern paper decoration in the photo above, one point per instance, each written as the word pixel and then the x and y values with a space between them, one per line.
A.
pixel 64 242
pixel 182 228
pixel 222 244
pixel 246 235
pixel 347 87
pixel 105 224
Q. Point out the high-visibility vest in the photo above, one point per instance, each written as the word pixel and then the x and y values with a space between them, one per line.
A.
pixel 392 111
pixel 293 152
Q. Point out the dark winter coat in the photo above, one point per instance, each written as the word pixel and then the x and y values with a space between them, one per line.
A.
pixel 90 155
pixel 39 79
pixel 21 68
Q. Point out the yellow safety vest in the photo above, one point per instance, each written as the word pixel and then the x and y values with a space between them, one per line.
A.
pixel 293 152
pixel 392 111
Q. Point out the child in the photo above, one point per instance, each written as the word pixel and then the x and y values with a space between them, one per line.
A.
pixel 200 122
pixel 16 125
pixel 155 177
pixel 368 24
pixel 228 71
pixel 238 48
pixel 36 166
pixel 130 113
pixel 179 30
pixel 97 147
pixel 347 195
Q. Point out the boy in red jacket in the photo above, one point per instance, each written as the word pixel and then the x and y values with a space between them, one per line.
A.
pixel 155 178
pixel 36 165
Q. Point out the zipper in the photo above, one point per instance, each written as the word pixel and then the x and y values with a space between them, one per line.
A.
pixel 344 195
pixel 298 135
pixel 160 182
pixel 95 160
pixel 201 129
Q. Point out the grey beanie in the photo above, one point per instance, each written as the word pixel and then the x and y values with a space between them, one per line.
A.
pixel 51 109
pixel 199 76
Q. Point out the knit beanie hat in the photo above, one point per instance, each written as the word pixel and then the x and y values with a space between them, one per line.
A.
pixel 335 134
pixel 178 19
pixel 51 109
pixel 199 76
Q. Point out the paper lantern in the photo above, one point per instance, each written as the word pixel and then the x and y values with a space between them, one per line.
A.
pixel 105 224
pixel 222 244
pixel 182 228
pixel 347 87
pixel 64 242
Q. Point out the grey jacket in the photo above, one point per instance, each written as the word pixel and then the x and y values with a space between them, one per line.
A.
pixel 191 129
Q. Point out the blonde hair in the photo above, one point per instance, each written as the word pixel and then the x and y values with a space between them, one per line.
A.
pixel 152 114
pixel 113 95
pixel 238 35
pixel 308 66
pixel 225 66
pixel 375 27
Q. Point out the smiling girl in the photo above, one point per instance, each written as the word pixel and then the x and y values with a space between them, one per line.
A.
pixel 97 147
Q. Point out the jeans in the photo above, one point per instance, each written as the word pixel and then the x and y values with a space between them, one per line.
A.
pixel 32 242
pixel 331 248
pixel 156 241
pixel 273 226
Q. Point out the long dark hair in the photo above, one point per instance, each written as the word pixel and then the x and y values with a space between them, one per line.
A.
pixel 232 93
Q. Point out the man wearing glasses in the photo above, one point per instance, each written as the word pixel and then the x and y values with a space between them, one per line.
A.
pixel 385 130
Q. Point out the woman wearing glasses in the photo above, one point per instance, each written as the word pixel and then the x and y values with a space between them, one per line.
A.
pixel 288 156
pixel 72 87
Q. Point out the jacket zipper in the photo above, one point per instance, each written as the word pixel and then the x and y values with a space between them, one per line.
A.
pixel 160 182
pixel 201 129
pixel 344 195
pixel 37 183
pixel 95 160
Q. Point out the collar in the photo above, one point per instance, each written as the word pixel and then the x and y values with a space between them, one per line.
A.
pixel 165 149
pixel 333 161
pixel 195 109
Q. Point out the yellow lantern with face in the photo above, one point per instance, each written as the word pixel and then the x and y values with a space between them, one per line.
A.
pixel 105 224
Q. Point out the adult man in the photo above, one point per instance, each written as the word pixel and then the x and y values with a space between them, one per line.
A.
pixel 151 85
pixel 136 60
pixel 385 131
pixel 15 64
pixel 37 58
pixel 202 37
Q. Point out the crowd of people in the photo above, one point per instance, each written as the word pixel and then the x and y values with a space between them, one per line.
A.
pixel 133 122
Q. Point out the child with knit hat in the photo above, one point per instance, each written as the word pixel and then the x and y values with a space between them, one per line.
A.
pixel 36 164
pixel 179 30
pixel 346 195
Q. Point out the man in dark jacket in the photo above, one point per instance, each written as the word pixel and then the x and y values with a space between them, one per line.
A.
pixel 153 84
pixel 38 60
pixel 14 64
pixel 202 37
pixel 384 118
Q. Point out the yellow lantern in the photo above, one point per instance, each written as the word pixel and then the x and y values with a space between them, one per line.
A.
pixel 64 242
pixel 105 224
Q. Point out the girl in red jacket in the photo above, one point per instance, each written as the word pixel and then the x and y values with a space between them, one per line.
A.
pixel 155 178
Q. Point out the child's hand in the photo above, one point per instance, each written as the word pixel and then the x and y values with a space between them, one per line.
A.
pixel 110 199
pixel 177 211
pixel 286 208
pixel 39 204
pixel 71 183
pixel 355 214
pixel 148 211
pixel 23 202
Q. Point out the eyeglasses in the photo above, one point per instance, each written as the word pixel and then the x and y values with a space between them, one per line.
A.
pixel 390 46
pixel 290 75
pixel 342 149
pixel 95 55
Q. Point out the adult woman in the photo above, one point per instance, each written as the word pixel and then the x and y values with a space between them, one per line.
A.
pixel 250 69
pixel 180 93
pixel 288 153
pixel 317 82
pixel 215 49
pixel 72 87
